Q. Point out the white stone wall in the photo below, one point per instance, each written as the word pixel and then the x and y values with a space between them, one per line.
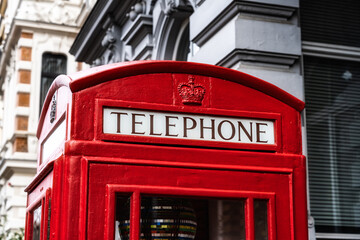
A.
pixel 52 27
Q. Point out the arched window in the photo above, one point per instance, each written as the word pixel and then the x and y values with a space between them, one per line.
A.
pixel 52 66
pixel 182 44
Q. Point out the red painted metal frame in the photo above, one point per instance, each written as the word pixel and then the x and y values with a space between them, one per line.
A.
pixel 86 146
pixel 136 190
pixel 99 135
pixel 43 201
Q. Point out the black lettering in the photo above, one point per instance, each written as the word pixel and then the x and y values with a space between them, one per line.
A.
pixel 258 132
pixel 134 122
pixel 212 128
pixel 168 125
pixel 232 129
pixel 249 135
pixel 186 128
pixel 152 126
pixel 118 120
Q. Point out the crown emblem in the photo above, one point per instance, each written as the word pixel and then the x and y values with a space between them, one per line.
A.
pixel 190 93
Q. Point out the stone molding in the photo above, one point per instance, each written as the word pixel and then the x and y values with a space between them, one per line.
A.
pixel 139 37
pixel 57 12
pixel 172 6
pixel 265 11
pixel 266 59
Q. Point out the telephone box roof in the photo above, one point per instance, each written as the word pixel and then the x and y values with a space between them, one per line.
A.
pixel 97 75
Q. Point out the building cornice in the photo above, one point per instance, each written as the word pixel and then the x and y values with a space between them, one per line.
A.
pixel 87 45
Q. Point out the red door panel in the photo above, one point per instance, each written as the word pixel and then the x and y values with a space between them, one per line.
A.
pixel 139 181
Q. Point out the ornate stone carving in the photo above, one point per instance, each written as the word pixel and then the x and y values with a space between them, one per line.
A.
pixel 58 12
pixel 138 8
pixel 113 46
pixel 171 6
pixel 139 37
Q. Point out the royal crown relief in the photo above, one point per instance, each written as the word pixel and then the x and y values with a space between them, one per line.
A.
pixel 191 93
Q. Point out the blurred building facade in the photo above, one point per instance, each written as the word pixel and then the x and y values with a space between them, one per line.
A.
pixel 311 49
pixel 35 38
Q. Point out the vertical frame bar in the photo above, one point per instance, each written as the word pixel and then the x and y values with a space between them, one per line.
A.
pixel 109 213
pixel 271 219
pixel 28 226
pixel 84 200
pixel 135 215
pixel 249 219
pixel 45 215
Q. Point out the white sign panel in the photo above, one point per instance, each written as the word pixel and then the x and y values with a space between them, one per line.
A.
pixel 187 126
pixel 54 140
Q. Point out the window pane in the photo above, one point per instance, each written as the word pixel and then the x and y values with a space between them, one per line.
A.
pixel 52 66
pixel 188 218
pixel 122 223
pixel 36 223
pixel 322 21
pixel 333 128
pixel 228 219
pixel 167 218
pixel 260 219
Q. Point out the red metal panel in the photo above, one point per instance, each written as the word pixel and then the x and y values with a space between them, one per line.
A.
pixel 95 165
pixel 179 181
pixel 95 76
pixel 224 97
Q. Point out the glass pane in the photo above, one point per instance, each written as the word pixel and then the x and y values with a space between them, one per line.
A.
pixel 260 218
pixel 36 223
pixel 333 130
pixel 321 21
pixel 227 221
pixel 122 223
pixel 184 218
pixel 52 66
pixel 167 218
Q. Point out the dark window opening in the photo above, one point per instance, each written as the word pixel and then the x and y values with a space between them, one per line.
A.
pixel 333 130
pixel 52 66
pixel 187 218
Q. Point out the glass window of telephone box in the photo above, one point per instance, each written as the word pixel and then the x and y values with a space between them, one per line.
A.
pixel 164 217
pixel 36 223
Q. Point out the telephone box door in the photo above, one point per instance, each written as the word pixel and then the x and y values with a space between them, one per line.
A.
pixel 188 202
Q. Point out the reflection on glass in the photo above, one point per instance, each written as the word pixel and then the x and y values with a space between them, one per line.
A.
pixel 260 218
pixel 228 220
pixel 167 218
pixel 122 223
pixel 36 223
pixel 183 218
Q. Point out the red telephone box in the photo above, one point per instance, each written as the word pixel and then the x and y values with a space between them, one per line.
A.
pixel 168 150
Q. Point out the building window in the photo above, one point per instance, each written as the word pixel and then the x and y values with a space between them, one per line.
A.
pixel 331 47
pixel 182 44
pixel 52 66
pixel 333 128
pixel 331 22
